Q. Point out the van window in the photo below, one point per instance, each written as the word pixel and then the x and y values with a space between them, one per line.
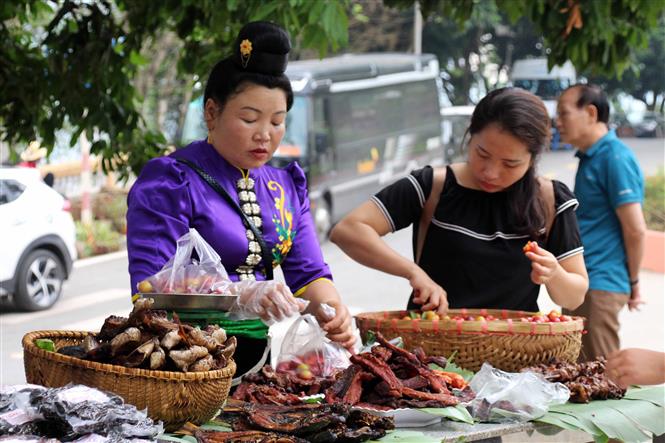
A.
pixel 369 113
pixel 295 137
pixel 547 89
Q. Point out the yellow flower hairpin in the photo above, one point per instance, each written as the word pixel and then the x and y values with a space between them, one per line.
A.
pixel 245 52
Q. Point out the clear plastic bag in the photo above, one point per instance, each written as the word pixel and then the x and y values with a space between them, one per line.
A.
pixel 270 300
pixel 77 411
pixel 17 413
pixel 184 274
pixel 506 397
pixel 307 352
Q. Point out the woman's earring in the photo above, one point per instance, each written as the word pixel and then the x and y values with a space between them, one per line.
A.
pixel 209 139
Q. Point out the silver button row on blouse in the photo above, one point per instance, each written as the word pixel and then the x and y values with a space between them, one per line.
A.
pixel 253 211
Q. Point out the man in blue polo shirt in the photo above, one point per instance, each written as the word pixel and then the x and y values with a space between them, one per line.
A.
pixel 609 186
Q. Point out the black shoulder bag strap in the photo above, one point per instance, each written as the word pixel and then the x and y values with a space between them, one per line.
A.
pixel 265 253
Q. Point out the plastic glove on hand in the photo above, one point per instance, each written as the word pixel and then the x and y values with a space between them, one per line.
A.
pixel 271 301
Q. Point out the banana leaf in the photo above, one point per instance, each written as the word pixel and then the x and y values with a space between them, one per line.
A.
pixel 407 436
pixel 630 419
pixel 457 413
pixel 654 394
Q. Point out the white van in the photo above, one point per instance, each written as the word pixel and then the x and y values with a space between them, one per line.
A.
pixel 534 76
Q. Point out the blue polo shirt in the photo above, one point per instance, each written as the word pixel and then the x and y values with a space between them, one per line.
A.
pixel 608 176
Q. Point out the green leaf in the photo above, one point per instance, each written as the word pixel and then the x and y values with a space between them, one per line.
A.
pixel 581 423
pixel 214 427
pixel 72 26
pixel 655 395
pixel 406 436
pixel 615 425
pixel 265 11
pixel 118 48
pixel 626 418
pixel 452 367
pixel 648 416
pixel 45 344
pixel 457 413
pixel 552 419
pixel 137 59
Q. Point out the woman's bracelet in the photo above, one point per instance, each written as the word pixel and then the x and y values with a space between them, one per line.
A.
pixel 634 282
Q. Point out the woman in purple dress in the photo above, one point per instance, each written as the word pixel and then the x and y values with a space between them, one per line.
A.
pixel 245 104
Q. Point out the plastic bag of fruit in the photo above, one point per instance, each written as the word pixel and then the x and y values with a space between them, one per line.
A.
pixel 194 269
pixel 506 397
pixel 307 352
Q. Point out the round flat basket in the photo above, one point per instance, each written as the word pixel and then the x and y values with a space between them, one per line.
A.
pixel 172 397
pixel 506 342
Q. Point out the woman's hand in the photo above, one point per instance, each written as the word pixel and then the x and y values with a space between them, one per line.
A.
pixel 271 301
pixel 544 266
pixel 427 293
pixel 636 366
pixel 339 328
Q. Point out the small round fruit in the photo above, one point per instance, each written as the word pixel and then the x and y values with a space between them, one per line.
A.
pixel 406 317
pixel 480 318
pixel 305 375
pixel 145 286
pixel 428 315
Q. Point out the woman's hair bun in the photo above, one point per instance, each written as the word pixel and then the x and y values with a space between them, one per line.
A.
pixel 262 47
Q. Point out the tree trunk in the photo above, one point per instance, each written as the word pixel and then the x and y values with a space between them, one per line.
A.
pixel 185 98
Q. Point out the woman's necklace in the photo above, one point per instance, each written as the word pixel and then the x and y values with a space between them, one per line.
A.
pixel 251 208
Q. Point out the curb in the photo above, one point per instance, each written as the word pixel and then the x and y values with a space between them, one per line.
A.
pixel 84 262
pixel 654 251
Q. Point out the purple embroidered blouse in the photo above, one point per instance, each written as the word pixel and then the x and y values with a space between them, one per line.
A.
pixel 168 198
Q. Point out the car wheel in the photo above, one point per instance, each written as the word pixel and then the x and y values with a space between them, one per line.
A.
pixel 39 281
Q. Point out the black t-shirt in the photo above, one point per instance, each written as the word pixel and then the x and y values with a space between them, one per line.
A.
pixel 471 249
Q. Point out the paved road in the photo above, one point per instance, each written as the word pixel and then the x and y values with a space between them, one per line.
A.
pixel 99 288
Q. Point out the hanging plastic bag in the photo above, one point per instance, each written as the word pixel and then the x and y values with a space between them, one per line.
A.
pixel 505 397
pixel 185 274
pixel 307 352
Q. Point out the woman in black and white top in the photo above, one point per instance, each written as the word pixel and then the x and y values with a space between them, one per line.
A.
pixel 471 220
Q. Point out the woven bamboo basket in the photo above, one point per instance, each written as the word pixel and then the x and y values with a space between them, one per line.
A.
pixel 506 343
pixel 172 397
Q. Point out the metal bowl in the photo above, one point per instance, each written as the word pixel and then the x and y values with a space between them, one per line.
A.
pixel 183 302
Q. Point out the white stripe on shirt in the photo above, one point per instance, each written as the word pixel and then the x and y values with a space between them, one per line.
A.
pixel 470 233
pixel 570 253
pixel 419 191
pixel 572 202
pixel 384 211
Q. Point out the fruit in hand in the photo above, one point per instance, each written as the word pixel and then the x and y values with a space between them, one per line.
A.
pixel 145 286
pixel 529 246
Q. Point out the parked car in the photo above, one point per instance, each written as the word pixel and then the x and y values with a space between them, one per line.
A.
pixel 652 124
pixel 38 238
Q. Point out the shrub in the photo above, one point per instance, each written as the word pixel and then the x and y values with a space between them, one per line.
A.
pixel 654 201
pixel 98 238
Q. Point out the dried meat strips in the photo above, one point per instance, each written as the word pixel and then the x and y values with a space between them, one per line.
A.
pixel 387 376
pixel 306 422
pixel 390 377
pixel 586 381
